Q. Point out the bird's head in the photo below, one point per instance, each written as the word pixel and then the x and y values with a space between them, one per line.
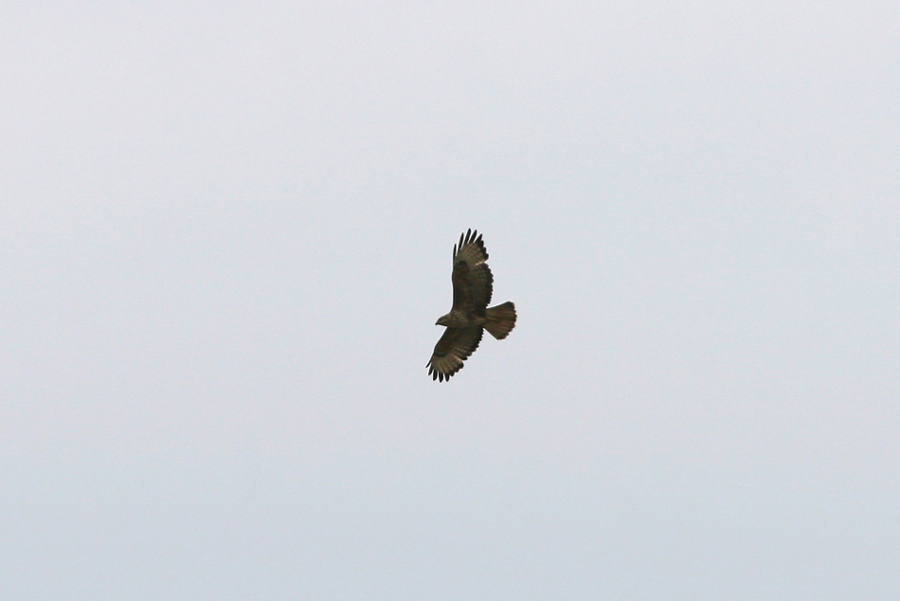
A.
pixel 443 320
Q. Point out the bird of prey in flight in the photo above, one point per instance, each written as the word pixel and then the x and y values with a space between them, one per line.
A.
pixel 470 316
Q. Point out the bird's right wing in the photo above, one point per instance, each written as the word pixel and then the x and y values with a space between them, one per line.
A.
pixel 451 350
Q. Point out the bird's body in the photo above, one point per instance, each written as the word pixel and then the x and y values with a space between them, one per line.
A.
pixel 470 315
pixel 458 318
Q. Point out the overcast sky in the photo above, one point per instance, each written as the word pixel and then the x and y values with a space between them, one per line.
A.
pixel 226 234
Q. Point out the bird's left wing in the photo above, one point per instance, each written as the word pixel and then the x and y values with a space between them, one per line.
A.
pixel 473 282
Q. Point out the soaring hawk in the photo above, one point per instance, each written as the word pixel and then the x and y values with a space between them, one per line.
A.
pixel 470 315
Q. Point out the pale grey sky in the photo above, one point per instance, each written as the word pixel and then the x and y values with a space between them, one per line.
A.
pixel 225 236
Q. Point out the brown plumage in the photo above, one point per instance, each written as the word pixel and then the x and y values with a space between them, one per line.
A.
pixel 472 288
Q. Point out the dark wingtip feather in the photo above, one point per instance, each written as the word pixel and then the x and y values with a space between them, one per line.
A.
pixel 441 376
pixel 470 236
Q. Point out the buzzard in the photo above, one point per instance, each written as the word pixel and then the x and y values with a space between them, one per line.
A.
pixel 470 315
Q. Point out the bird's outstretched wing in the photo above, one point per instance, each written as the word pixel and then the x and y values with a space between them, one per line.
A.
pixel 451 350
pixel 473 282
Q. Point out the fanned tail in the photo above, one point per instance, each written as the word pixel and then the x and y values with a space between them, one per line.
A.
pixel 500 320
